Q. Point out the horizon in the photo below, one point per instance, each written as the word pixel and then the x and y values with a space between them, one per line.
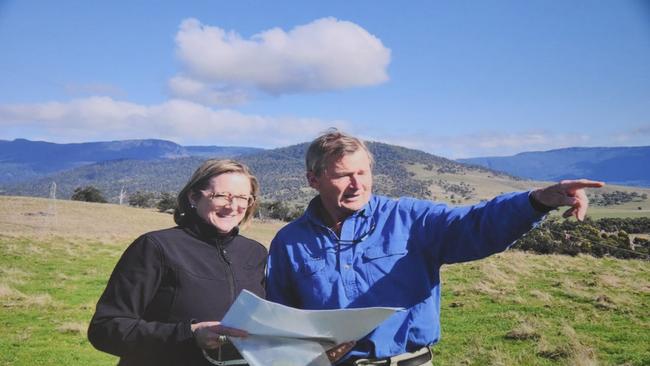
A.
pixel 454 79
pixel 306 142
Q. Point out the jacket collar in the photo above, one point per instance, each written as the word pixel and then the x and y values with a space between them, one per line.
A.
pixel 197 227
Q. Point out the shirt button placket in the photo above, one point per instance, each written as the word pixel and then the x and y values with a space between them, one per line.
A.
pixel 346 258
pixel 347 273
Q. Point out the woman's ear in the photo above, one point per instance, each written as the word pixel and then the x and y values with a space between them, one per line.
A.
pixel 191 197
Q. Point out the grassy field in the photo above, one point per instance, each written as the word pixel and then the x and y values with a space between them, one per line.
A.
pixel 511 309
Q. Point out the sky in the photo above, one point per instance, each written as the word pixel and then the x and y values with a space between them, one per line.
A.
pixel 454 78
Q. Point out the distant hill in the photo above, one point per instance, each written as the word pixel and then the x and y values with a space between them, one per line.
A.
pixel 398 172
pixel 614 165
pixel 25 160
pixel 220 151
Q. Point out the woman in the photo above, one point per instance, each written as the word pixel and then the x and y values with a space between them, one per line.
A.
pixel 166 294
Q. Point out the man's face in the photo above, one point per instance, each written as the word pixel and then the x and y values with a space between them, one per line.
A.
pixel 345 184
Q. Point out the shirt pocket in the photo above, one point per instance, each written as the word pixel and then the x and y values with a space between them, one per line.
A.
pixel 311 266
pixel 394 273
pixel 315 282
pixel 383 256
pixel 376 252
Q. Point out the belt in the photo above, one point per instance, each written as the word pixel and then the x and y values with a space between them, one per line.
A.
pixel 416 358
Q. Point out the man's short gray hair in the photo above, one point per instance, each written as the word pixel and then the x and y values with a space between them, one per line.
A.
pixel 332 144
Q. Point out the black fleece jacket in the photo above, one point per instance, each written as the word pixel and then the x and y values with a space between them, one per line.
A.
pixel 166 280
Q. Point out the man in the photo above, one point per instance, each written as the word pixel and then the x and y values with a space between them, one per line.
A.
pixel 351 249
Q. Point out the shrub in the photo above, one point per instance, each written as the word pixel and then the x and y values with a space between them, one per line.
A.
pixel 603 237
pixel 88 194
pixel 280 210
pixel 166 202
pixel 142 199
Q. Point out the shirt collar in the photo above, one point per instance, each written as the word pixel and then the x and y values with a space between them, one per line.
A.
pixel 311 213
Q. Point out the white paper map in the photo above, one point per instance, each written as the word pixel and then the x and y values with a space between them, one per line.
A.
pixel 284 336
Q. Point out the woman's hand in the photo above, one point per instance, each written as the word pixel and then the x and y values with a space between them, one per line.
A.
pixel 335 353
pixel 211 335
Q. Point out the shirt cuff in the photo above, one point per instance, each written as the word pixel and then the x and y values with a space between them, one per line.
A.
pixel 538 205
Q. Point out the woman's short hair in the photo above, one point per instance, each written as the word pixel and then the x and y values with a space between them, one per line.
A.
pixel 332 144
pixel 200 180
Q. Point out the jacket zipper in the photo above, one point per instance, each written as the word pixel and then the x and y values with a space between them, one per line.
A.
pixel 231 277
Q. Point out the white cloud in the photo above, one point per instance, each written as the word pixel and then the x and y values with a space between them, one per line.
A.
pixel 189 123
pixel 191 89
pixel 326 54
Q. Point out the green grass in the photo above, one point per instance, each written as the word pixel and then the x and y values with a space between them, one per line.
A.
pixel 511 309
pixel 619 212
pixel 523 309
pixel 48 290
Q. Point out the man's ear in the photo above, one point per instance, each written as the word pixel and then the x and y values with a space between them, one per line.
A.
pixel 312 180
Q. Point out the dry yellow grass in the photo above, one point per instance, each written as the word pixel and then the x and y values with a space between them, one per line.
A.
pixel 7 292
pixel 10 297
pixel 45 218
pixel 523 330
pixel 486 184
pixel 579 355
pixel 544 297
pixel 14 275
pixel 73 328
pixel 42 218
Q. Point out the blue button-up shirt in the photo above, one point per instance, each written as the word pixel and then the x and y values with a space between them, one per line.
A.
pixel 389 254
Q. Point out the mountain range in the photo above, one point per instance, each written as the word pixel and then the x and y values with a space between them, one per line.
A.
pixel 615 165
pixel 29 167
pixel 163 166
pixel 24 160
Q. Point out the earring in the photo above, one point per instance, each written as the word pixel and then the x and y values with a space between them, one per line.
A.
pixel 192 206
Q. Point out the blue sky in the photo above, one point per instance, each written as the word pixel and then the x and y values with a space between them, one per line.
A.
pixel 454 78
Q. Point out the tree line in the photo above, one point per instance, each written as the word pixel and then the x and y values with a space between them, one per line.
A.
pixel 163 201
pixel 617 198
pixel 166 202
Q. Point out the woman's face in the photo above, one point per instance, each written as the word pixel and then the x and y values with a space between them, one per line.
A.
pixel 224 202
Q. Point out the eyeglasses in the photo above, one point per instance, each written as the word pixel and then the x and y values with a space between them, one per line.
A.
pixel 223 199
